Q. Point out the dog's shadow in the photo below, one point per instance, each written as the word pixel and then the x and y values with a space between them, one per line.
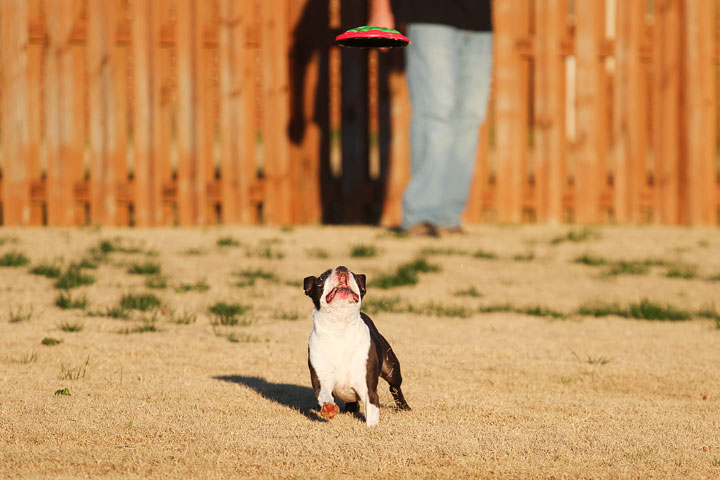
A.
pixel 296 397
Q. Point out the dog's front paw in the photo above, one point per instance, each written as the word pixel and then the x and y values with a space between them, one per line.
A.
pixel 329 410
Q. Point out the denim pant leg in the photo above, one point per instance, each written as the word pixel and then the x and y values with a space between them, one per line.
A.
pixel 449 77
pixel 431 81
pixel 474 74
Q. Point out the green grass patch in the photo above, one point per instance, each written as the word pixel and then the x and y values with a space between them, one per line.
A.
pixel 195 251
pixel 709 311
pixel 20 315
pixel 449 251
pixel 51 342
pixel 373 305
pixel 682 271
pixel 227 242
pixel 48 270
pixel 468 292
pixel 144 327
pixel 72 326
pixel 286 315
pixel 63 392
pixel 66 302
pixel 405 274
pixel 601 309
pixel 524 257
pixel 14 259
pixel 140 301
pixel 441 310
pixel 145 268
pixel 249 277
pixel 644 309
pixel 228 314
pixel 649 310
pixel 591 260
pixel 576 236
pixel 495 308
pixel 628 267
pixel 485 255
pixel 73 277
pixel 539 311
pixel 363 251
pixel 199 286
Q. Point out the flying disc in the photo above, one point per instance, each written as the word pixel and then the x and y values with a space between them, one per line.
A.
pixel 377 37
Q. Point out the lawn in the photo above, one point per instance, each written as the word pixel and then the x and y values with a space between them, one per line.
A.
pixel 527 352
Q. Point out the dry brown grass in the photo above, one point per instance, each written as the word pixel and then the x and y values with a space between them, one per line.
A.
pixel 501 395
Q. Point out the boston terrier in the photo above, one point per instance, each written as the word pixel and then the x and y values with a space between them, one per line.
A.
pixel 346 353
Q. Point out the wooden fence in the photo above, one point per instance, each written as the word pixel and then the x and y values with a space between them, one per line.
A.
pixel 193 112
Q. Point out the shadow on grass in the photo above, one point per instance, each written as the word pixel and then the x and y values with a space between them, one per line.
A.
pixel 296 397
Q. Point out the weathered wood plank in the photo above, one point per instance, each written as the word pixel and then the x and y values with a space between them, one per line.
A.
pixel 16 146
pixel 666 110
pixel 630 109
pixel 101 39
pixel 699 195
pixel 275 94
pixel 62 119
pixel 591 139
pixel 549 118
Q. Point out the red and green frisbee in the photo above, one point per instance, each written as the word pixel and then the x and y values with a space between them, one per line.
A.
pixel 376 37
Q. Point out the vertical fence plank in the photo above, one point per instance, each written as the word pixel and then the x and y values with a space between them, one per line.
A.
pixel 61 121
pixel 14 111
pixel 274 45
pixel 549 121
pixel 306 57
pixel 145 42
pixel 35 112
pixel 234 93
pixel 205 119
pixel 699 205
pixel 192 95
pixel 590 171
pixel 121 120
pixel 187 140
pixel 666 100
pixel 101 38
pixel 629 106
pixel 511 108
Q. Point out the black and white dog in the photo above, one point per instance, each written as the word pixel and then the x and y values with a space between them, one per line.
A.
pixel 346 353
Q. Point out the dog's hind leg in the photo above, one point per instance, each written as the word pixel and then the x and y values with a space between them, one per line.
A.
pixel 391 373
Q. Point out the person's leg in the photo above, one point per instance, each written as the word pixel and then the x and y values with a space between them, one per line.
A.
pixel 474 74
pixel 430 67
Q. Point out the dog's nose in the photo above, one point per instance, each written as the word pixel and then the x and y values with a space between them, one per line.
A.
pixel 342 275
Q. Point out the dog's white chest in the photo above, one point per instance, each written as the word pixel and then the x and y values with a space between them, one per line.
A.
pixel 339 353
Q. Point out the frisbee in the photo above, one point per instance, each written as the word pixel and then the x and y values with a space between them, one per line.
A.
pixel 375 37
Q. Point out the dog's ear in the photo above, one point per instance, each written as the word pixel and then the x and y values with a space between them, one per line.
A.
pixel 308 284
pixel 360 279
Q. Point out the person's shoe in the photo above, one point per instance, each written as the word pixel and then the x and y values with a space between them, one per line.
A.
pixel 423 229
pixel 456 230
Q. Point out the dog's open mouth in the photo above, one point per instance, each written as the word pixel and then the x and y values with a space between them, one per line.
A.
pixel 342 291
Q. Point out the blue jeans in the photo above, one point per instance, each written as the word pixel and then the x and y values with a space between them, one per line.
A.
pixel 449 74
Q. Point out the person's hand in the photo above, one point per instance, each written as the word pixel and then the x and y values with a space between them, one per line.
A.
pixel 381 14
